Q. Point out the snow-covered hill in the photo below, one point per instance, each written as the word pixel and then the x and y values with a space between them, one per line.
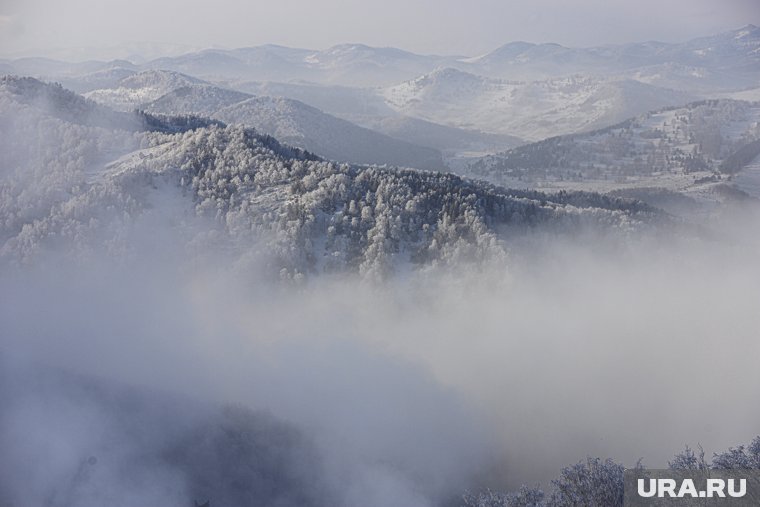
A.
pixel 524 90
pixel 137 89
pixel 530 110
pixel 368 108
pixel 300 125
pixel 297 124
pixel 694 150
pixel 66 105
pixel 105 78
pixel 199 99
pixel 294 122
pixel 303 214
pixel 450 140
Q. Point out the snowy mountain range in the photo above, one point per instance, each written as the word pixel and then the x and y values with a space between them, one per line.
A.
pixel 303 214
pixel 460 106
pixel 727 60
pixel 695 150
pixel 140 88
pixel 367 107
pixel 446 98
pixel 300 125
pixel 289 120
pixel 531 110
pixel 426 112
pixel 734 54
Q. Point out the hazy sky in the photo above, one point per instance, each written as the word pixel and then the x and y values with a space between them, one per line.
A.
pixel 428 26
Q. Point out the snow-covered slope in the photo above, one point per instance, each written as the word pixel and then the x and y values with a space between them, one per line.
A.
pixel 302 214
pixel 140 88
pixel 201 99
pixel 695 150
pixel 749 94
pixel 66 105
pixel 529 110
pixel 105 78
pixel 297 124
pixel 367 108
pixel 450 140
pixel 350 103
pixel 748 179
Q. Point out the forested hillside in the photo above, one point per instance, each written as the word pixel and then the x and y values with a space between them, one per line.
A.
pixel 717 136
pixel 305 214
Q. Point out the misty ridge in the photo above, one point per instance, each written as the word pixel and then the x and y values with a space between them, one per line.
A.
pixel 365 277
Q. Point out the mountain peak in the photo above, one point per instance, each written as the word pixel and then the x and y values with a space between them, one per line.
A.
pixel 356 49
pixel 446 77
pixel 450 73
pixel 510 49
pixel 521 51
pixel 153 77
pixel 746 30
pixel 347 47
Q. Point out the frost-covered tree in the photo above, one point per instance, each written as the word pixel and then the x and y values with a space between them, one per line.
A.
pixel 594 482
pixel 599 483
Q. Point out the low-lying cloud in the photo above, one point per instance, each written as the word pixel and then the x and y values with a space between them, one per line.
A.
pixel 402 393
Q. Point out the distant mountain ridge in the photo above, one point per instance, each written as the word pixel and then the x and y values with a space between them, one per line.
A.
pixel 141 88
pixel 293 122
pixel 696 137
pixel 304 126
pixel 677 158
pixel 464 106
pixel 731 58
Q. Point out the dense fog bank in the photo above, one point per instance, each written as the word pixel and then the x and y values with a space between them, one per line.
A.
pixel 412 389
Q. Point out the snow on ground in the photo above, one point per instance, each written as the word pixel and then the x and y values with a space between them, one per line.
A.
pixel 122 164
pixel 751 94
pixel 141 88
pixel 530 110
